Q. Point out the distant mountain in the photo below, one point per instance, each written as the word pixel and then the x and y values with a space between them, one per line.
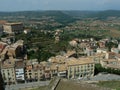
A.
pixel 62 16
pixel 57 15
pixel 92 14
pixel 80 14
pixel 106 14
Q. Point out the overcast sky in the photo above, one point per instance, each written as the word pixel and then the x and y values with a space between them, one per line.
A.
pixel 21 5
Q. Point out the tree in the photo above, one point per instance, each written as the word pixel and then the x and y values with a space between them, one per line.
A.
pixel 99 68
pixel 109 45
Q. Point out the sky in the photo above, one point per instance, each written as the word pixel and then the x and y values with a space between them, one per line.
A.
pixel 24 5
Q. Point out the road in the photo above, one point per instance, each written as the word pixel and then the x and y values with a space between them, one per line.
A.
pixel 26 85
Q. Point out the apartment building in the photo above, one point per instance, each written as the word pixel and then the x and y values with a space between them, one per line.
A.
pixel 1 30
pixel 98 57
pixel 106 62
pixel 59 70
pixel 80 68
pixel 19 70
pixel 28 71
pixel 110 55
pixel 62 70
pixel 13 28
pixel 38 72
pixel 54 70
pixel 2 22
pixel 33 71
pixel 8 72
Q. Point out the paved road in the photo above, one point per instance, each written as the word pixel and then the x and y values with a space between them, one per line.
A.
pixel 26 85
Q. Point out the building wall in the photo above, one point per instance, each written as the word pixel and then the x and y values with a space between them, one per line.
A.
pixel 97 59
pixel 18 28
pixel 32 74
pixel 7 28
pixel 1 30
pixel 15 28
pixel 19 74
pixel 80 71
pixel 62 74
pixel 8 75
pixel 54 73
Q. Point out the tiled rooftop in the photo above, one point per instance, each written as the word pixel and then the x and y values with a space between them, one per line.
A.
pixel 74 61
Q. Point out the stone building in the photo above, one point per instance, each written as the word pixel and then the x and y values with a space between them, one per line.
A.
pixel 13 28
pixel 8 72
pixel 80 68
pixel 33 71
pixel 19 70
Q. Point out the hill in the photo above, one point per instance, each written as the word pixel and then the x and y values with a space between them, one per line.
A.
pixel 93 14
pixel 58 16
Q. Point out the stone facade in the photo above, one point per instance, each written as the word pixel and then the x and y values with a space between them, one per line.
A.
pixel 13 28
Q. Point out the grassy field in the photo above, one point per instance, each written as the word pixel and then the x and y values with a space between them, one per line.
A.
pixel 45 87
pixel 40 88
pixel 73 85
pixel 110 84
pixel 37 88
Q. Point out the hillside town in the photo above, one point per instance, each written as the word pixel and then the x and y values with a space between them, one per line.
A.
pixel 76 63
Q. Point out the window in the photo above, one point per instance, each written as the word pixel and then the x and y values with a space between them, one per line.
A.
pixel 88 65
pixel 4 78
pixel 36 73
pixel 30 73
pixel 77 69
pixel 4 74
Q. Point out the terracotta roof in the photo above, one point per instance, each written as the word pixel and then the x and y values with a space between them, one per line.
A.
pixel 118 55
pixel 111 53
pixel 5 50
pixel 113 66
pixel 58 59
pixel 7 64
pixel 11 52
pixel 44 63
pixel 74 61
pixel 19 64
pixel 3 21
pixel 31 62
pixel 62 67
pixel 13 23
pixel 53 67
pixel 99 54
pixel 110 60
pixel 37 67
